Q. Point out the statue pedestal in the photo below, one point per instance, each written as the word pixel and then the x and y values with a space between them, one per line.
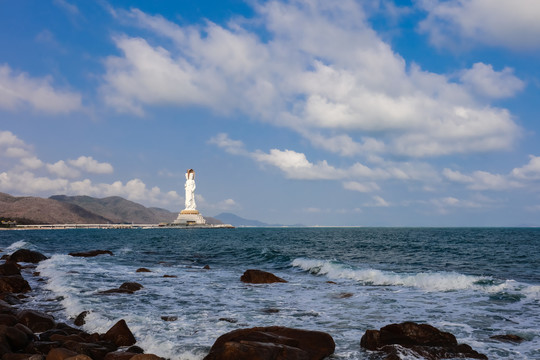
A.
pixel 189 217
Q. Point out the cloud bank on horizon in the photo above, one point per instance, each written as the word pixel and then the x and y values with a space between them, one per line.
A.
pixel 396 108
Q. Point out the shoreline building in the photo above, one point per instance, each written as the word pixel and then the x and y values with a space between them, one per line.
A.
pixel 190 215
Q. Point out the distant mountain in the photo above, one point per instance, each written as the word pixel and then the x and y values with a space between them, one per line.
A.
pixel 35 210
pixel 62 209
pixel 236 220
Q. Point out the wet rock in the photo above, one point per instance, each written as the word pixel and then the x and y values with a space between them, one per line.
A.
pixel 29 256
pixel 276 343
pixel 511 338
pixel 95 351
pixel 170 276
pixel 46 335
pixel 120 334
pixel 60 354
pixel 143 270
pixel 79 357
pixel 15 338
pixel 80 319
pixel 206 267
pixel 15 356
pixel 36 321
pixel 230 320
pixel 146 357
pixel 8 319
pixel 131 286
pixel 169 318
pixel 253 276
pixel 14 284
pixel 115 291
pixel 421 339
pixel 135 349
pixel 9 268
pixel 91 253
pixel 41 347
pixel 344 295
pixel 119 355
pixel 270 310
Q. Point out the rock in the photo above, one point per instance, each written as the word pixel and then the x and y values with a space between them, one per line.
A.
pixel 8 319
pixel 9 268
pixel 60 354
pixel 29 256
pixel 270 310
pixel 135 349
pixel 206 267
pixel 41 347
pixel 260 277
pixel 170 276
pixel 424 340
pixel 14 284
pixel 146 357
pixel 79 320
pixel 119 355
pixel 115 291
pixel 230 320
pixel 143 270
pixel 511 338
pixel 276 343
pixel 36 321
pixel 91 253
pixel 95 351
pixel 120 334
pixel 16 339
pixel 169 318
pixel 79 357
pixel 131 286
pixel 344 295
pixel 14 356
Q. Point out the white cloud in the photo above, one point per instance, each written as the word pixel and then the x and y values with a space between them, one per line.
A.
pixel 501 23
pixel 18 90
pixel 485 81
pixel 89 164
pixel 530 170
pixel 361 187
pixel 223 141
pixel 482 180
pixel 60 168
pixel 335 80
pixel 377 202
pixel 31 162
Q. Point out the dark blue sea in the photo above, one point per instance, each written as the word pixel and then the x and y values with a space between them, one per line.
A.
pixel 472 282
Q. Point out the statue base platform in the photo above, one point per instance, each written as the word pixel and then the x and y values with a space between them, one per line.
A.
pixel 190 218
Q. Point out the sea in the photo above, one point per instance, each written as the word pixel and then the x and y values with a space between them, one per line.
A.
pixel 472 282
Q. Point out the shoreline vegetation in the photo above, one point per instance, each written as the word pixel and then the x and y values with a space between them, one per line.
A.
pixel 33 334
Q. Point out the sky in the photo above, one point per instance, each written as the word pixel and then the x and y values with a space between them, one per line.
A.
pixel 314 112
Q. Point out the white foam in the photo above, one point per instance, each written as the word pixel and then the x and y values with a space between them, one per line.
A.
pixel 430 281
pixel 16 246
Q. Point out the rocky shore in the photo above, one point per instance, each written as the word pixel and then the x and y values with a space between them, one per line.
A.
pixel 32 334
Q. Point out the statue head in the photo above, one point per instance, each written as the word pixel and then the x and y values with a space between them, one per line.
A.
pixel 190 174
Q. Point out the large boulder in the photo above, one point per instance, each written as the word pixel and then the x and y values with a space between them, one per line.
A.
pixel 422 339
pixel 14 284
pixel 29 256
pixel 9 268
pixel 36 321
pixel 91 253
pixel 120 334
pixel 253 276
pixel 272 343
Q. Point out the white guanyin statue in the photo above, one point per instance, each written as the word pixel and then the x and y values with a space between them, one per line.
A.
pixel 190 190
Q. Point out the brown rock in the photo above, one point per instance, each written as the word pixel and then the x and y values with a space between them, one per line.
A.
pixel 15 338
pixel 143 270
pixel 146 357
pixel 36 321
pixel 95 351
pixel 79 320
pixel 60 354
pixel 169 318
pixel 41 347
pixel 260 277
pixel 9 268
pixel 79 357
pixel 14 356
pixel 115 291
pixel 276 343
pixel 206 267
pixel 14 284
pixel 120 334
pixel 170 276
pixel 29 256
pixel 119 355
pixel 63 338
pixel 91 253
pixel 131 286
pixel 8 319
pixel 135 349
pixel 424 340
pixel 511 338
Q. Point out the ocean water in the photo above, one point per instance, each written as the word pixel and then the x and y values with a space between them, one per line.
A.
pixel 474 283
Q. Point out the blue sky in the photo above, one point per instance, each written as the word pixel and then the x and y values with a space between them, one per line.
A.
pixel 368 113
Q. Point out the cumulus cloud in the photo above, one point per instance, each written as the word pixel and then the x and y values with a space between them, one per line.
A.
pixel 223 141
pixel 501 23
pixel 335 82
pixel 61 169
pixel 482 180
pixel 361 187
pixel 89 164
pixel 529 171
pixel 485 81
pixel 19 89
